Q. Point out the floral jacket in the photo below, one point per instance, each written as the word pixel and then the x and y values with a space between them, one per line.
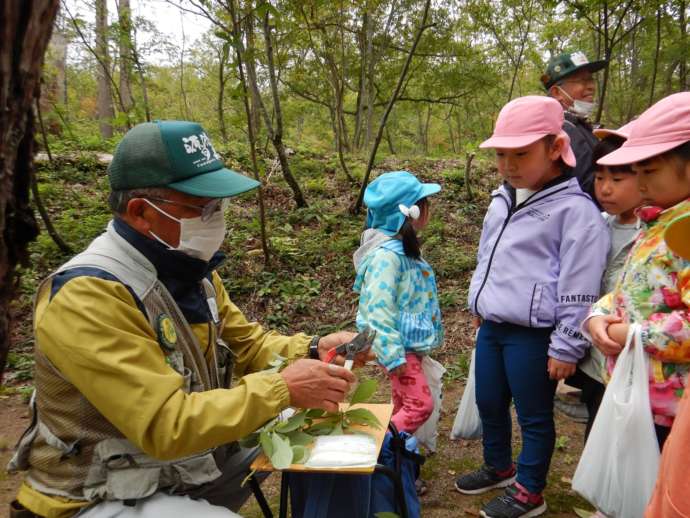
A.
pixel 653 290
pixel 398 299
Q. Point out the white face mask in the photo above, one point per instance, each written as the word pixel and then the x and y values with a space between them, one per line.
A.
pixel 199 239
pixel 581 108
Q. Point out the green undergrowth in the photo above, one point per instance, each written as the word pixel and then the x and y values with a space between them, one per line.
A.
pixel 307 285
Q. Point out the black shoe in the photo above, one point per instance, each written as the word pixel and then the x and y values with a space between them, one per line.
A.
pixel 516 502
pixel 484 479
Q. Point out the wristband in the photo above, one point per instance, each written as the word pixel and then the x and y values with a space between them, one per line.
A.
pixel 314 348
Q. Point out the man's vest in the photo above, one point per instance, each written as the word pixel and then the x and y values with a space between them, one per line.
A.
pixel 70 449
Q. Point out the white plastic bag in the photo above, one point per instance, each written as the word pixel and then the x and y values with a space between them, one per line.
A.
pixel 467 424
pixel 427 433
pixel 619 464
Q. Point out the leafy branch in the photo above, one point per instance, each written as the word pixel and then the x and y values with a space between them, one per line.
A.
pixel 287 442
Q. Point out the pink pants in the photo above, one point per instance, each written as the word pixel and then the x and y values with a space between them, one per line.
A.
pixel 412 401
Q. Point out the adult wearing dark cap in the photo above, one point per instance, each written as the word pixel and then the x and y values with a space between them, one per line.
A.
pixel 137 342
pixel 569 79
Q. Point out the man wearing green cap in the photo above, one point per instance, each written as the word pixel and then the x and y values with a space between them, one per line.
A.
pixel 136 345
pixel 569 79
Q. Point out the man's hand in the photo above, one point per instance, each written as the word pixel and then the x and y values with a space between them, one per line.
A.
pixel 559 370
pixel 315 384
pixel 599 330
pixel 328 342
pixel 476 322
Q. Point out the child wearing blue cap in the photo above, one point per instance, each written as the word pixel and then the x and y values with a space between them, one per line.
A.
pixel 397 288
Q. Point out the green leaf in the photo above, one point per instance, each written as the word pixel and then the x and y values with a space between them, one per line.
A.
pixel 322 428
pixel 337 429
pixel 266 443
pixel 300 454
pixel 293 423
pixel 313 413
pixel 582 513
pixel 250 441
pixel 386 514
pixel 363 416
pixel 299 438
pixel 364 391
pixel 282 453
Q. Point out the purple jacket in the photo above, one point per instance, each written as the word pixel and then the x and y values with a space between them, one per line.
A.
pixel 540 264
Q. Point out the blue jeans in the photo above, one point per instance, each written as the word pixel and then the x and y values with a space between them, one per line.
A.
pixel 511 363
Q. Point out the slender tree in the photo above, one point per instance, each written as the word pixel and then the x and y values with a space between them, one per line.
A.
pixel 106 113
pixel 124 13
pixel 357 206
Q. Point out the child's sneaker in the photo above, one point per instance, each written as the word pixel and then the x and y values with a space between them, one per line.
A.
pixel 516 502
pixel 484 479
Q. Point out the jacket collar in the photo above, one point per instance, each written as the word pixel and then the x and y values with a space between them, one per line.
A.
pixel 577 120
pixel 651 214
pixel 557 184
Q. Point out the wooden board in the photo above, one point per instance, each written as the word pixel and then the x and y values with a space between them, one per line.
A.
pixel 382 411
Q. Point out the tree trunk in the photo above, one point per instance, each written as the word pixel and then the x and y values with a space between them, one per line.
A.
pixel 683 67
pixel 105 93
pixel 276 131
pixel 468 176
pixel 142 80
pixel 58 45
pixel 389 140
pixel 124 14
pixel 362 79
pixel 222 79
pixel 656 55
pixel 382 125
pixel 50 228
pixel 183 91
pixel 25 29
pixel 251 134
pixel 451 135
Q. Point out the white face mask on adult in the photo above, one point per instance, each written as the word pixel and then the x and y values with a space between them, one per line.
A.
pixel 580 108
pixel 199 239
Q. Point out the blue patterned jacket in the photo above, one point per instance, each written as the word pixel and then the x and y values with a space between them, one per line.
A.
pixel 398 299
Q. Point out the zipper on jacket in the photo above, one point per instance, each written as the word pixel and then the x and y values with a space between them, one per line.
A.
pixel 511 212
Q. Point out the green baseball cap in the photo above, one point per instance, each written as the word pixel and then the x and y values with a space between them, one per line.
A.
pixel 566 64
pixel 174 154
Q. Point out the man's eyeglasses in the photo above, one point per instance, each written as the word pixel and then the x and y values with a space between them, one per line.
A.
pixel 207 210
pixel 584 81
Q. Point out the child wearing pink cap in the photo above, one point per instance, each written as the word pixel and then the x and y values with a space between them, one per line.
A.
pixel 541 257
pixel 654 287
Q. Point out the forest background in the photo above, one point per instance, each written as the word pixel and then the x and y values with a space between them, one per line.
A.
pixel 315 98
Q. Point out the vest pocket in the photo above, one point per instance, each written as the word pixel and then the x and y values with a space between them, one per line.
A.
pixel 132 484
pixel 120 471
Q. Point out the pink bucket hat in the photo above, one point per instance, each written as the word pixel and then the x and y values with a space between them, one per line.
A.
pixel 659 129
pixel 527 119
pixel 622 132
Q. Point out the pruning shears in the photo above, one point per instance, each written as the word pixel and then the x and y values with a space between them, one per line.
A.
pixel 359 344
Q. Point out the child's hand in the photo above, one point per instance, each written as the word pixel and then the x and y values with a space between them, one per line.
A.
pixel 559 370
pixel 599 329
pixel 399 370
pixel 476 322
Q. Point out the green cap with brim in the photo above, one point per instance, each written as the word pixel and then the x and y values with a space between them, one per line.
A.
pixel 174 154
pixel 568 63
